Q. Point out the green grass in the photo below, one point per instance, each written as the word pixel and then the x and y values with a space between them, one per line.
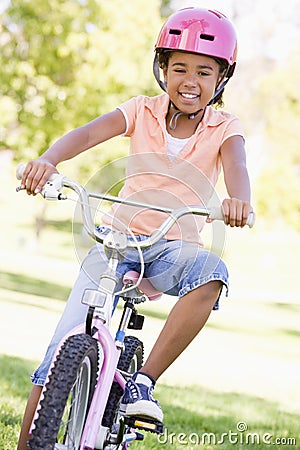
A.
pixel 192 415
pixel 14 390
pixel 31 285
pixel 196 416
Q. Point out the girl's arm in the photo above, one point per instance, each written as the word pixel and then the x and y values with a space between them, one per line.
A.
pixel 37 172
pixel 236 208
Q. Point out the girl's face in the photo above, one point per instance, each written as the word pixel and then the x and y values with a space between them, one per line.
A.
pixel 191 80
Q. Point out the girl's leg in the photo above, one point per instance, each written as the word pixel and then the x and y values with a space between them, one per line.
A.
pixel 28 416
pixel 185 320
pixel 196 276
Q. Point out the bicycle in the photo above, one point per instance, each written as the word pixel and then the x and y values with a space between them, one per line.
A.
pixel 78 408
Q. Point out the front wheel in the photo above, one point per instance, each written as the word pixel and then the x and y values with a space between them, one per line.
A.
pixel 67 396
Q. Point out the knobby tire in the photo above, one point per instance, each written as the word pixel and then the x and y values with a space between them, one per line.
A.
pixel 75 372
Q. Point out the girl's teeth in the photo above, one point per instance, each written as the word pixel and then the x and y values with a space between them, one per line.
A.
pixel 189 95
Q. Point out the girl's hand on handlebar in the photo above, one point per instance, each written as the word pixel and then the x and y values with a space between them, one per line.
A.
pixel 236 212
pixel 36 174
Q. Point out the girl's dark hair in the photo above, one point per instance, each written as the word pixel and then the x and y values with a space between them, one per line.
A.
pixel 163 61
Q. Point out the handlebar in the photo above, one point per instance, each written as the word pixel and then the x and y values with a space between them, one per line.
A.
pixel 52 191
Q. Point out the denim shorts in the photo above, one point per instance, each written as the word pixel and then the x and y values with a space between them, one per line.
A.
pixel 173 267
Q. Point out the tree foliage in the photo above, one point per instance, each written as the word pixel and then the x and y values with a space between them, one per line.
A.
pixel 63 62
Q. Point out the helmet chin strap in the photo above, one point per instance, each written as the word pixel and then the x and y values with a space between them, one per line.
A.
pixel 157 73
pixel 175 116
pixel 228 74
pixel 218 91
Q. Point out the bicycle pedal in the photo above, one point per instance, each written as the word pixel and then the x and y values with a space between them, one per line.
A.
pixel 145 424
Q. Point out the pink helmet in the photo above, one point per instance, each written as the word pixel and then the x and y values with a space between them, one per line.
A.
pixel 203 31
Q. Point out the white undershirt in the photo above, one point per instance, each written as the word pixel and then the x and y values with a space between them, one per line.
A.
pixel 175 145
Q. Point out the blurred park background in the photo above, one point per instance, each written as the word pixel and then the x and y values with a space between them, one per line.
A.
pixel 64 62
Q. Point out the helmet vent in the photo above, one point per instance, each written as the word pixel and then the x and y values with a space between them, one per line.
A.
pixel 207 37
pixel 177 32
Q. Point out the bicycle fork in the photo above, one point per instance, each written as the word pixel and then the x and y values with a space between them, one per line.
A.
pixel 91 435
pixel 98 437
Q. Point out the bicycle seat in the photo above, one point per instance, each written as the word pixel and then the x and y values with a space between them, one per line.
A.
pixel 145 285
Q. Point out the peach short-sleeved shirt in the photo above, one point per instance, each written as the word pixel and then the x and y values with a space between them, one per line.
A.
pixel 153 177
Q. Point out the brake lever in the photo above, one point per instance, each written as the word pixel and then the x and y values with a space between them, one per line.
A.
pixel 51 190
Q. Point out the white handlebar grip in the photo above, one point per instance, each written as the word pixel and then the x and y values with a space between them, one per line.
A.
pixel 20 170
pixel 251 220
pixel 216 214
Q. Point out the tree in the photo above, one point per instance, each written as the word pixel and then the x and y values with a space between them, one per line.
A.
pixel 63 62
pixel 42 45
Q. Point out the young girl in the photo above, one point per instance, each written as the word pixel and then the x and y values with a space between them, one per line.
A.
pixel 179 144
